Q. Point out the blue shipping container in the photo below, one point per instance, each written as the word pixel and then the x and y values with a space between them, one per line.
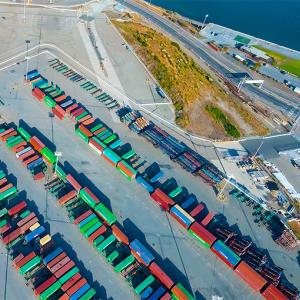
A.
pixel 35 163
pixel 186 219
pixel 145 184
pixel 35 233
pixel 146 293
pixel 187 203
pixel 226 253
pixel 52 255
pixel 80 292
pixel 68 103
pixel 86 220
pixel 115 144
pixel 141 250
pixel 157 176
pixel 158 293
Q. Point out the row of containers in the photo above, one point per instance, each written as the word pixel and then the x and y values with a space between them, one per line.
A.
pixel 84 83
pixel 99 225
pixel 43 263
pixel 176 150
pixel 183 208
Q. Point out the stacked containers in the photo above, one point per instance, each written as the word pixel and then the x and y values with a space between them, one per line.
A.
pixel 126 169
pixel 181 216
pixel 141 253
pixel 110 156
pixel 162 199
pixel 205 238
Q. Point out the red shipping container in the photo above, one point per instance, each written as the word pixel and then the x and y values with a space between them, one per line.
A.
pixel 25 260
pixel 97 233
pixel 17 147
pixel 6 187
pixel 82 217
pixel 39 176
pixel 42 287
pixel 76 286
pixel 162 199
pixel 207 219
pixel 99 130
pixel 71 108
pixel 88 122
pixel 196 211
pixel 29 160
pixel 3 181
pixel 66 198
pixel 64 269
pixel 36 92
pixel 26 154
pixel 96 145
pixel 73 182
pixel 87 117
pixel 64 297
pixel 5 228
pixel 57 259
pixel 85 130
pixel 60 264
pixel 119 234
pixel 125 169
pixel 161 275
pixel 203 233
pixel 18 258
pixel 71 282
pixel 92 195
pixel 250 276
pixel 273 293
pixel 166 296
pixel 60 98
pixel 36 143
pixel 26 226
pixel 26 219
pixel 59 115
pixel 17 208
pixel 6 132
pixel 77 112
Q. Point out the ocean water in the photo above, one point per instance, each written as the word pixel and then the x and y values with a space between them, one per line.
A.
pixel 277 21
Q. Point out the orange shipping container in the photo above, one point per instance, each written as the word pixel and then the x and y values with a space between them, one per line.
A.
pixel 5 137
pixel 36 143
pixel 119 234
pixel 17 147
pixel 29 160
pixel 85 130
pixel 250 276
pixel 6 187
pixel 6 132
pixel 88 122
pixel 273 293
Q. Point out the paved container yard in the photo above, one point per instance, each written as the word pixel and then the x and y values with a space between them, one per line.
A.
pixel 196 267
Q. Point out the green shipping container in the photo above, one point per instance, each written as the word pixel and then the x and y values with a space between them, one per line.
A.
pixel 50 102
pixel 124 263
pixel 16 142
pixel 98 240
pixel 88 295
pixel 24 134
pixel 2 223
pixel 49 155
pixel 8 193
pixel 96 127
pixel 143 285
pixel 3 212
pixel 105 214
pixel 60 172
pixel 175 192
pixel 50 290
pixel 68 275
pixel 110 139
pixel 202 242
pixel 111 257
pixel 102 246
pixel 30 265
pixel 85 113
pixel 88 225
pixel 87 198
pixel 187 294
pixel 25 214
pixel 82 135
pixel 92 229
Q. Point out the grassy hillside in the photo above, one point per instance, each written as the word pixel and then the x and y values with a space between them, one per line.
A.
pixel 190 87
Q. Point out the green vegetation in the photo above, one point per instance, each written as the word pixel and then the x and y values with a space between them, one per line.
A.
pixel 282 61
pixel 222 119
pixel 189 86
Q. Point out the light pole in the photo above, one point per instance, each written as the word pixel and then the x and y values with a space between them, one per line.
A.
pixel 203 24
pixel 27 45
pixel 57 154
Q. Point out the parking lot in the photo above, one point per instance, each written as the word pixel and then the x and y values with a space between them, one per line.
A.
pixel 194 266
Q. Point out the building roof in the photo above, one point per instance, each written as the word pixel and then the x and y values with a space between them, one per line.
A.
pixel 254 51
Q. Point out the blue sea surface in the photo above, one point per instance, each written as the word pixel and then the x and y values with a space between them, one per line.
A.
pixel 277 21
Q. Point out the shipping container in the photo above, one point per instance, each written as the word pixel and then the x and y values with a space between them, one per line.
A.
pixel 250 276
pixel 105 214
pixel 49 155
pixel 126 169
pixel 181 216
pixel 26 219
pixel 125 263
pixel 87 219
pixel 50 290
pixel 205 238
pixel 144 284
pixel 73 182
pixel 64 269
pixel 273 293
pixel 71 282
pixel 161 275
pixel 162 199
pixel 143 253
pixel 145 184
pixel 119 234
pixel 108 241
pixel 88 197
pixel 52 255
pixel 110 156
pixel 30 265
pixel 17 208
pixel 25 260
pixel 97 145
pixel 88 295
pixel 35 233
pixel 225 254
pixel 146 293
pixel 68 275
pixel 67 197
pixel 60 264
pixel 96 234
pixel 80 292
pixel 180 293
pixel 42 287
pixel 36 143
pixel 57 259
pixel 80 283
